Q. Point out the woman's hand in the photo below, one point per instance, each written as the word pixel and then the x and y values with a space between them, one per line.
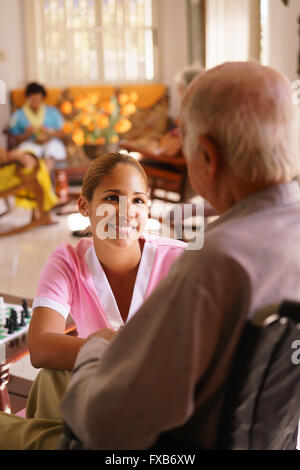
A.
pixel 43 135
pixel 26 160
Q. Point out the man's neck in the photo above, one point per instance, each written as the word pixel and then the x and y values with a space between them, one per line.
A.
pixel 236 190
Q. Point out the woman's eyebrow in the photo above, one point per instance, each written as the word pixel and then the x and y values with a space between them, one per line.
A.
pixel 120 192
pixel 112 190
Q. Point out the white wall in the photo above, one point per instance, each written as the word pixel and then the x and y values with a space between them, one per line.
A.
pixel 12 51
pixel 283 37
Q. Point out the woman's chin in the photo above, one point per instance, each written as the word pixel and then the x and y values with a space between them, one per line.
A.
pixel 123 240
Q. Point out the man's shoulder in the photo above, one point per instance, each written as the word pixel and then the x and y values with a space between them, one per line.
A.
pixel 223 249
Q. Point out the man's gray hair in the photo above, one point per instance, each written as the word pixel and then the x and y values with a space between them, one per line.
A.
pixel 247 111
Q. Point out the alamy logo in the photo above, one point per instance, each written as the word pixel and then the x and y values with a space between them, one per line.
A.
pixel 296 92
pixel 122 224
pixel 296 354
pixel 2 92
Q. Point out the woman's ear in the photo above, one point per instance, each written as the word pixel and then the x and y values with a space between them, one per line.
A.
pixel 83 206
pixel 211 156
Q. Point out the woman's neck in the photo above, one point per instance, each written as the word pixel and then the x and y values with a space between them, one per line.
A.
pixel 119 261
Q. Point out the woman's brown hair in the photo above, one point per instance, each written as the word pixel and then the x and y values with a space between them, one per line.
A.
pixel 102 166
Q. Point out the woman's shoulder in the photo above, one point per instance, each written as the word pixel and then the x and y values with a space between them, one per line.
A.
pixel 165 243
pixel 67 251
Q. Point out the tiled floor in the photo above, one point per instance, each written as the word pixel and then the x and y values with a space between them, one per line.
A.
pixel 23 256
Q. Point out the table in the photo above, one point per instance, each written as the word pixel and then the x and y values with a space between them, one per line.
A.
pixel 15 349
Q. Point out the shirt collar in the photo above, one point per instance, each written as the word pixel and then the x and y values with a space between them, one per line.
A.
pixel 274 196
pixel 105 292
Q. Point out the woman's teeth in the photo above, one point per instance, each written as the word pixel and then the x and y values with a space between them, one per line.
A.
pixel 122 228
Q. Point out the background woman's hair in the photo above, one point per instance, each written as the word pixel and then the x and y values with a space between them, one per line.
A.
pixel 33 88
pixel 102 166
pixel 185 76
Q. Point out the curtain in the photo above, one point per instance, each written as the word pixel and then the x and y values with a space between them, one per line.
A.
pixel 232 31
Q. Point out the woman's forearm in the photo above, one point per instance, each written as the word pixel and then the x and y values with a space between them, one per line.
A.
pixel 55 351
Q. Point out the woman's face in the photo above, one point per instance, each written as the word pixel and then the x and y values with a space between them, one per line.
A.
pixel 118 211
pixel 35 101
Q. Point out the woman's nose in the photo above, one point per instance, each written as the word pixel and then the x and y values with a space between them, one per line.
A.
pixel 126 208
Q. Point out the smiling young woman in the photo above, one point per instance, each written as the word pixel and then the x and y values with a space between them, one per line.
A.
pixel 103 280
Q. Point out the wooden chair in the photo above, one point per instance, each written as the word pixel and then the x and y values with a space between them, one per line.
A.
pixel 11 141
pixel 27 181
pixel 261 409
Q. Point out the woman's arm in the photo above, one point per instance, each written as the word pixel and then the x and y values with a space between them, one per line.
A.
pixel 49 347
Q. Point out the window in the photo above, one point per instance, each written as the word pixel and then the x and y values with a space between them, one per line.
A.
pixel 86 41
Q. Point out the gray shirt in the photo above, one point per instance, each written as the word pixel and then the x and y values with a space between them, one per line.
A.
pixel 167 368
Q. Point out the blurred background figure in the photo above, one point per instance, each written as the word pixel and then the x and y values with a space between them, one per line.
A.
pixel 25 197
pixel 184 77
pixel 170 143
pixel 38 127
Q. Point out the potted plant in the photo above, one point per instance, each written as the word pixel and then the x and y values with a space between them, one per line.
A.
pixel 97 125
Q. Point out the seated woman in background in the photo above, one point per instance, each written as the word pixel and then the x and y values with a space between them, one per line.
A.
pixel 25 197
pixel 103 280
pixel 37 127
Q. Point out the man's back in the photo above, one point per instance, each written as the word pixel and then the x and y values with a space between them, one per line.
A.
pixel 262 235
pixel 250 259
pixel 179 348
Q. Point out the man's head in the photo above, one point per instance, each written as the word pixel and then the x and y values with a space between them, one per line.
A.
pixel 239 125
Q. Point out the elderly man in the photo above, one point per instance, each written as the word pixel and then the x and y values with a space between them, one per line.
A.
pixel 166 369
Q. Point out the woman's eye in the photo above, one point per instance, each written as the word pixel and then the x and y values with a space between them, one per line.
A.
pixel 111 198
pixel 138 200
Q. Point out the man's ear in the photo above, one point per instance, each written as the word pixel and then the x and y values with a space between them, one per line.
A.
pixel 211 156
pixel 83 206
